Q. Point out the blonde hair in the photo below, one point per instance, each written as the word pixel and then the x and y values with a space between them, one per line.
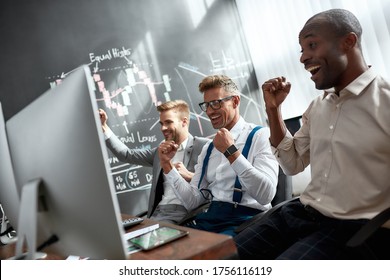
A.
pixel 178 105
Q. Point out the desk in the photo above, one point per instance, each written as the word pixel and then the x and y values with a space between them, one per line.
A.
pixel 198 245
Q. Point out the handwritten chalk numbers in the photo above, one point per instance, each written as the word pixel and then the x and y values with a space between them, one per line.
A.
pixel 119 183
pixel 133 179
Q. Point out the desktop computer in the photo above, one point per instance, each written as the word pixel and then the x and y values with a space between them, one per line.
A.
pixel 61 168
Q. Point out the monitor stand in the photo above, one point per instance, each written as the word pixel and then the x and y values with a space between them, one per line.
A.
pixel 28 221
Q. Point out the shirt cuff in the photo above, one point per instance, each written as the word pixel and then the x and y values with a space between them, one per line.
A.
pixel 108 133
pixel 240 164
pixel 285 144
pixel 172 176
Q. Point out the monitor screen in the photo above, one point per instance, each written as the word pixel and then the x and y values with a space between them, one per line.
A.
pixel 58 139
pixel 9 197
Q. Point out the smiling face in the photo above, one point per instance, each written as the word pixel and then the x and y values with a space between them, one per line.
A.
pixel 174 126
pixel 323 55
pixel 226 116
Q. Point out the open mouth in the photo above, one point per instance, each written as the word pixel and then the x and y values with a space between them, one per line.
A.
pixel 313 69
pixel 167 135
pixel 215 119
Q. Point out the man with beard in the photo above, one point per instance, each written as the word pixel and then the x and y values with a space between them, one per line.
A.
pixel 174 121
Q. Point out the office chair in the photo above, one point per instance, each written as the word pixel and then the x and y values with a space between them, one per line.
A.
pixel 283 195
pixel 356 244
pixel 283 188
pixel 188 218
pixel 191 215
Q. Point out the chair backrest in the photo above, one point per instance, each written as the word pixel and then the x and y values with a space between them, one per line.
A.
pixel 283 189
pixel 283 194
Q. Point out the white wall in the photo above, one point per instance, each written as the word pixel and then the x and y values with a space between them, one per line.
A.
pixel 271 28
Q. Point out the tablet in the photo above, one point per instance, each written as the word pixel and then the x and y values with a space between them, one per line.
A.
pixel 157 237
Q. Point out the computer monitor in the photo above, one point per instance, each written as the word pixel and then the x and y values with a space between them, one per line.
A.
pixel 9 197
pixel 58 141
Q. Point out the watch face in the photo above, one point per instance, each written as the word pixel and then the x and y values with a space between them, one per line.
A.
pixel 231 150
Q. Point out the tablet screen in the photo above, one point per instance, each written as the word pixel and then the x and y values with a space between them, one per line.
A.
pixel 157 237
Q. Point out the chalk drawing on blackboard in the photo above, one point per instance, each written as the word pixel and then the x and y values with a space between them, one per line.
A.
pixel 127 91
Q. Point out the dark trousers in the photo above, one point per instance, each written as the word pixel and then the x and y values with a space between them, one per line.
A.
pixel 300 232
pixel 223 217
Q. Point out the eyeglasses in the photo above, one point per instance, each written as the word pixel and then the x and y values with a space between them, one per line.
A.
pixel 215 104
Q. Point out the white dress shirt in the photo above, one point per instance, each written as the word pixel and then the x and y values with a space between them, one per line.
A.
pixel 258 174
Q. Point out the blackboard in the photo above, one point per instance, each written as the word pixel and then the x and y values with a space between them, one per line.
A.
pixel 142 53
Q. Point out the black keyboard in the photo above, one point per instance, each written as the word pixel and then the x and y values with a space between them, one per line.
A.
pixel 128 223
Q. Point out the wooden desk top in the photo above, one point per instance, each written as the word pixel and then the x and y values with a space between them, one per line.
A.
pixel 198 245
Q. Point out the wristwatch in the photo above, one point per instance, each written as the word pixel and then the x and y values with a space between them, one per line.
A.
pixel 231 150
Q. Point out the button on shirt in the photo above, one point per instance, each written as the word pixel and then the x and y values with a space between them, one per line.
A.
pixel 346 140
pixel 258 174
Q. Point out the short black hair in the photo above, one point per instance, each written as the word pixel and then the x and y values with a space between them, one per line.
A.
pixel 341 22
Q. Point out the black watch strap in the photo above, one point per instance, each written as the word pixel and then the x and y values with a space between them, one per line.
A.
pixel 231 150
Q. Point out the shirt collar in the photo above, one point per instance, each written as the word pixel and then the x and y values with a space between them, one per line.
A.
pixel 357 86
pixel 183 145
pixel 237 128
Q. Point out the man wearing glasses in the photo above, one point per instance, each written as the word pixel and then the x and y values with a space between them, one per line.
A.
pixel 238 186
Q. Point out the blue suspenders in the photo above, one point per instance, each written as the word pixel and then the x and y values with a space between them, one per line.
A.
pixel 205 162
pixel 237 191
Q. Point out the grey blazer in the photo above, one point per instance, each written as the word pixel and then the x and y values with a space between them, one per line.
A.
pixel 149 157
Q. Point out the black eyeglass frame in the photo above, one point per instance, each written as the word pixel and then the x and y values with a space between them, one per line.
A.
pixel 214 104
